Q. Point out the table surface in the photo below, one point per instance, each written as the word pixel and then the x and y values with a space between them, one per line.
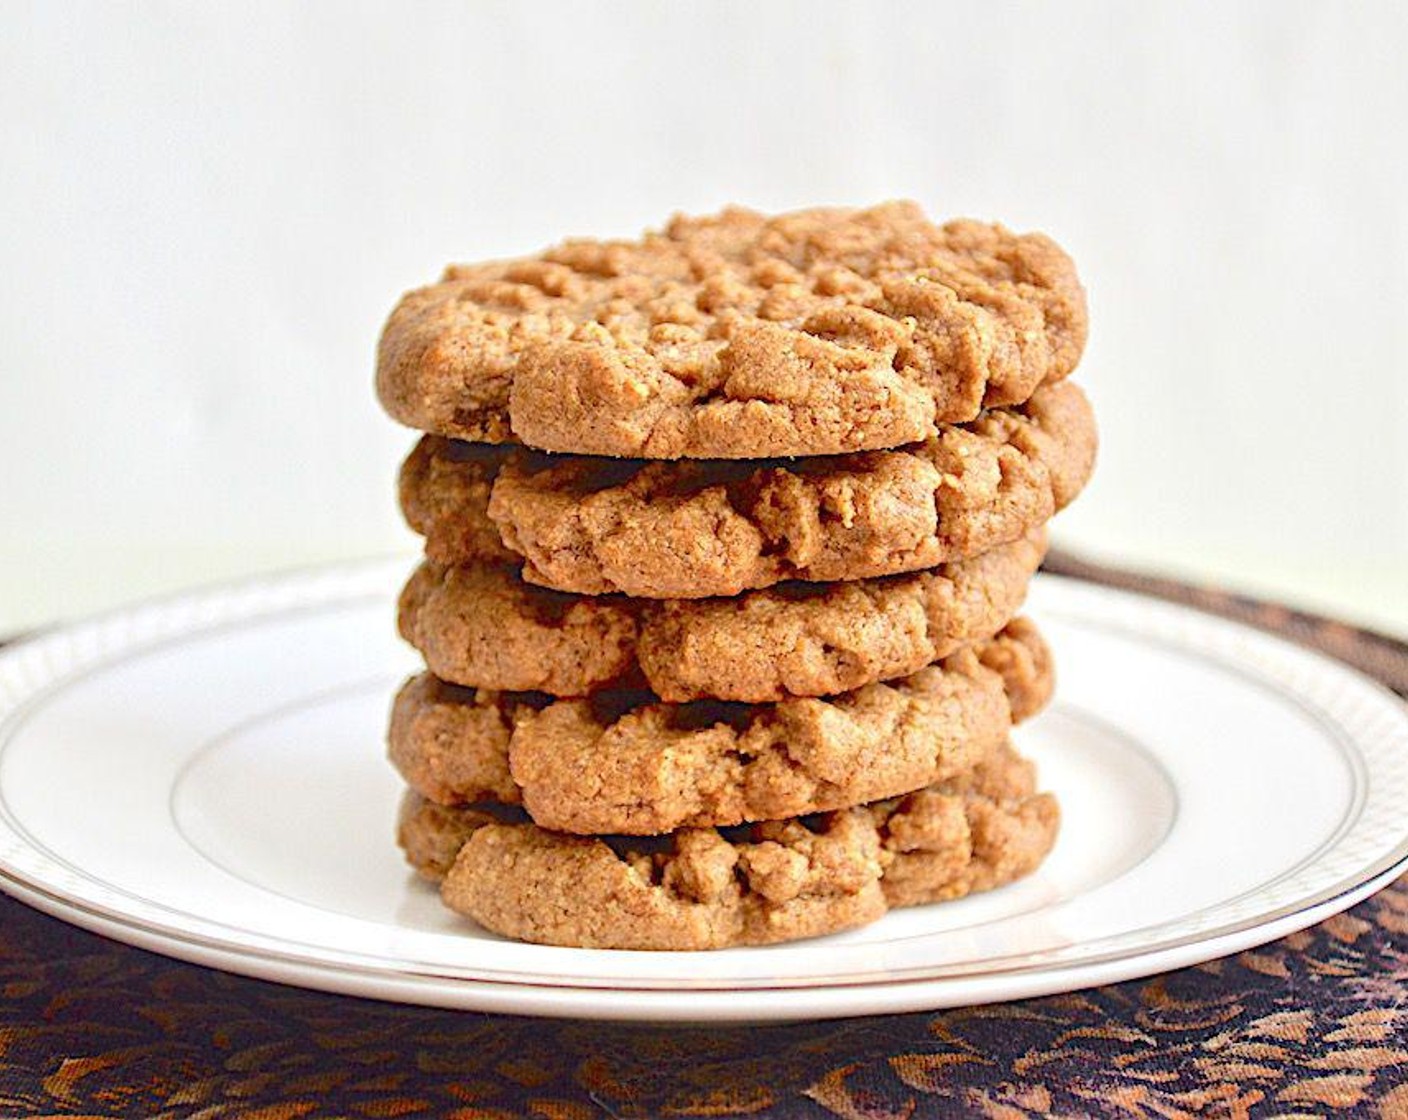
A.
pixel 1315 1024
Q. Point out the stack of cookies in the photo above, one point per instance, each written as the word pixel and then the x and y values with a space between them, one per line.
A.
pixel 727 531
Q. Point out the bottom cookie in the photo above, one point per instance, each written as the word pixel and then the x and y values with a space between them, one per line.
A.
pixel 707 888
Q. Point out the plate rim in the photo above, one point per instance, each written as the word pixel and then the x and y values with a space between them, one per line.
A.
pixel 320 586
pixel 703 1005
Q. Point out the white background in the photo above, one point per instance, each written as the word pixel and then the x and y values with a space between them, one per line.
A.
pixel 209 210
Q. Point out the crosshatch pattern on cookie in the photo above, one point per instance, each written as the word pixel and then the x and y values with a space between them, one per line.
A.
pixel 738 336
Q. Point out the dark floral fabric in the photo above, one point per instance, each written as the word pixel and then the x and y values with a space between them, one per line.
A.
pixel 1315 1024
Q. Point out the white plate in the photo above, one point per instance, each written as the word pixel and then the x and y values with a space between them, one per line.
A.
pixel 205 777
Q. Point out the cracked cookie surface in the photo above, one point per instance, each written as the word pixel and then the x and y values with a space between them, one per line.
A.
pixel 738 336
pixel 697 530
pixel 482 626
pixel 708 889
pixel 627 763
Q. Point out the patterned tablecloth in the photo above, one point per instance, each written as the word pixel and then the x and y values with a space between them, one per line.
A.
pixel 1313 1025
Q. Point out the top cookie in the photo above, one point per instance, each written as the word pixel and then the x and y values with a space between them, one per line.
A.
pixel 738 336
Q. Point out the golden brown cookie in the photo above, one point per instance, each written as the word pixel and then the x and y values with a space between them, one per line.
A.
pixel 481 626
pixel 738 336
pixel 444 488
pixel 707 889
pixel 696 530
pixel 626 763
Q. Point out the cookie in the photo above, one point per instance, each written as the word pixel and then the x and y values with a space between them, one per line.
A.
pixel 708 889
pixel 444 488
pixel 738 336
pixel 626 763
pixel 483 627
pixel 698 530
pixel 431 835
